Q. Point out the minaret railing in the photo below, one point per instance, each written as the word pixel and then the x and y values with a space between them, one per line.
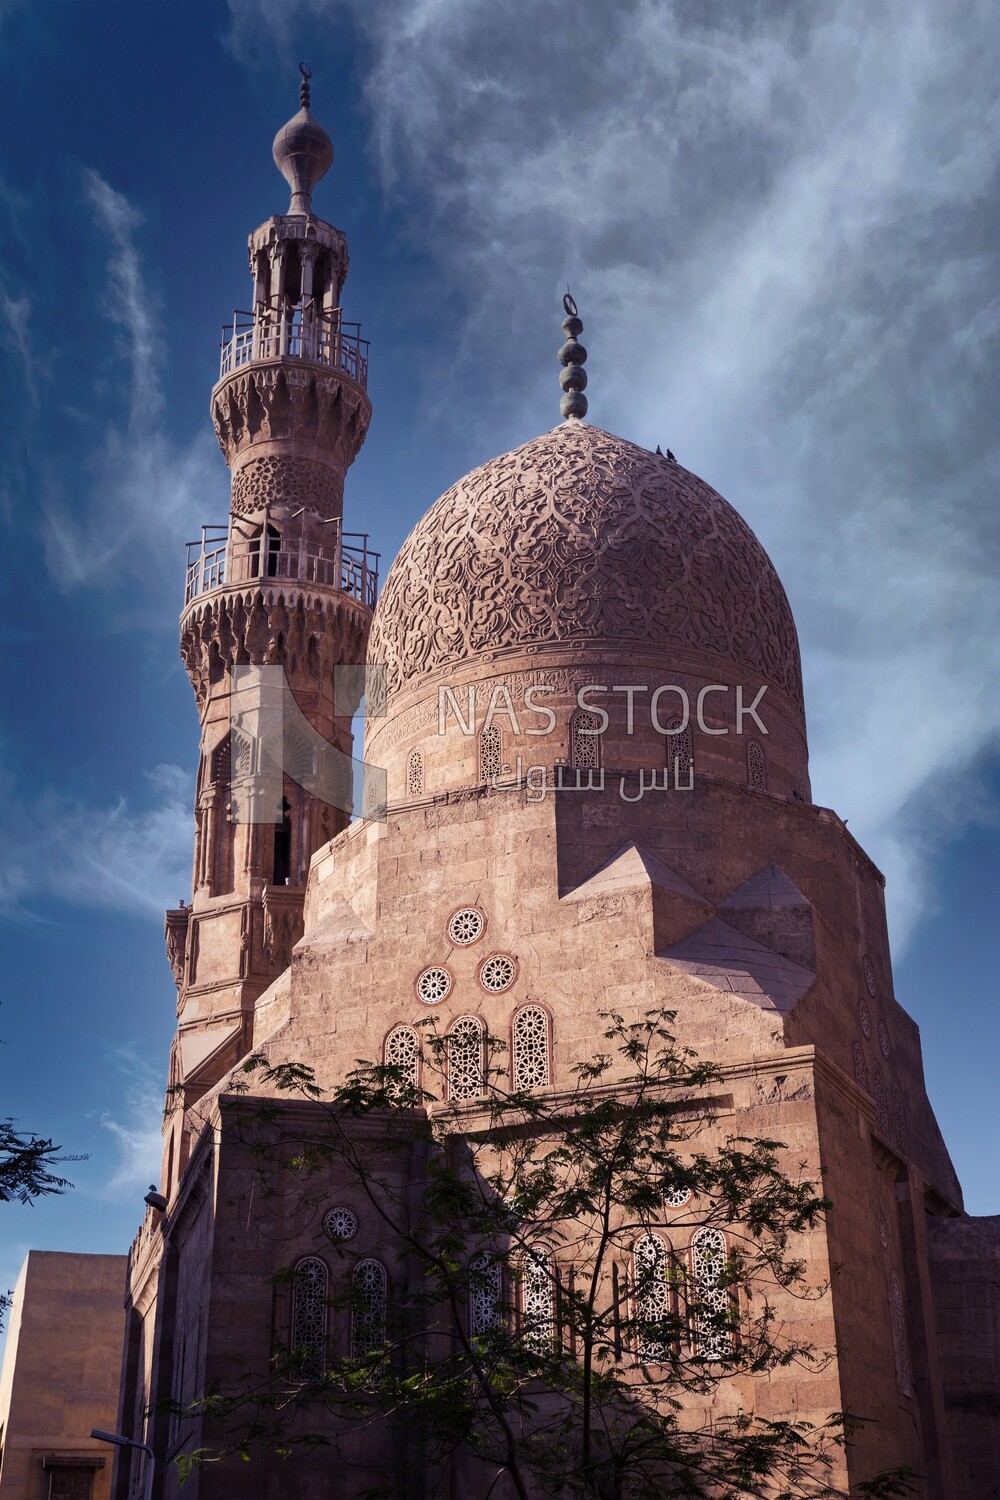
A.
pixel 294 332
pixel 222 558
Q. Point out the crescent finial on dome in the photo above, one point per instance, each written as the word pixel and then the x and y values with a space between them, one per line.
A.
pixel 572 357
pixel 303 152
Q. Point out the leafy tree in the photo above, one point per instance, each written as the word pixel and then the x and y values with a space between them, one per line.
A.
pixel 25 1162
pixel 542 1335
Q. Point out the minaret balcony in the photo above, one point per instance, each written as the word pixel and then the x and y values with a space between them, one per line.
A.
pixel 224 559
pixel 295 332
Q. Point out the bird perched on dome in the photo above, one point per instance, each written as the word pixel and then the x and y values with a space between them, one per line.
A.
pixel 303 152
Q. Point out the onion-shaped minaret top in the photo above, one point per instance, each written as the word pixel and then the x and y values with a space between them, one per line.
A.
pixel 303 152
pixel 572 357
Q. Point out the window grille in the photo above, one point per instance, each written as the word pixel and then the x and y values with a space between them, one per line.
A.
pixel 868 970
pixel 713 1338
pixel 653 1301
pixel 309 1304
pixel 899 1339
pixel 585 740
pixel 433 985
pixel 864 1016
pixel 679 746
pixel 530 1052
pixel 490 753
pixel 402 1051
pixel 415 774
pixel 485 1293
pixel 881 1103
pixel 676 1197
pixel 538 1302
pixel 899 1118
pixel 370 1286
pixel 466 926
pixel 497 973
pixel 465 1058
pixel 756 766
pixel 883 1038
pixel 860 1066
pixel 340 1223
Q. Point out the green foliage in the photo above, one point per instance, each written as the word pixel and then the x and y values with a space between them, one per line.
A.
pixel 25 1162
pixel 598 1387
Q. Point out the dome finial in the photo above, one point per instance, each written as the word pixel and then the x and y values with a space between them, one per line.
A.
pixel 303 151
pixel 572 357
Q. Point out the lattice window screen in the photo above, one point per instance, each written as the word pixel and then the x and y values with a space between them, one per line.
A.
pixel 370 1288
pixel 713 1340
pixel 490 753
pixel 465 1058
pixel 309 1305
pixel 531 1064
pixel 585 740
pixel 756 766
pixel 402 1051
pixel 415 774
pixel 485 1293
pixel 652 1296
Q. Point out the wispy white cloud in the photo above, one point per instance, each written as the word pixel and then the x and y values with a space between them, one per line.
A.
pixel 136 1132
pixel 785 254
pixel 142 494
pixel 117 858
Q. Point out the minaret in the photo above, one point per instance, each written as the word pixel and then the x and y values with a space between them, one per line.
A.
pixel 280 585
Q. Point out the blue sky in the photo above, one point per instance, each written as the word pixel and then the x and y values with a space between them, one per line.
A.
pixel 785 255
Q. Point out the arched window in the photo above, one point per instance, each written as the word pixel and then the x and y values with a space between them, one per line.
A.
pixel 679 747
pixel 309 1304
pixel 713 1337
pixel 282 866
pixel 899 1340
pixel 490 753
pixel 415 774
pixel 402 1051
pixel 465 1058
pixel 756 766
pixel 370 1289
pixel 881 1103
pixel 585 740
pixel 220 876
pixel 860 1066
pixel 654 1302
pixel 485 1293
pixel 265 552
pixel 538 1301
pixel 530 1065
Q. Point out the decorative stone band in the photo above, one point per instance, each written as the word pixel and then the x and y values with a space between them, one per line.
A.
pixel 264 483
pixel 284 401
pixel 317 630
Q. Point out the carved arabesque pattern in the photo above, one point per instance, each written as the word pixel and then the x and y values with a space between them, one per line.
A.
pixel 582 536
pixel 415 774
pixel 678 746
pixel 756 766
pixel 279 480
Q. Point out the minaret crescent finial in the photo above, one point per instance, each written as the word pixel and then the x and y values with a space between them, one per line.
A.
pixel 303 151
pixel 572 357
pixel 304 85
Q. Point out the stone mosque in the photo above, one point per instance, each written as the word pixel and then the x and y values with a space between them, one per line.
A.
pixel 577 613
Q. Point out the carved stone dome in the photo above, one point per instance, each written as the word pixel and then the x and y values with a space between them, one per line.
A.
pixel 577 537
